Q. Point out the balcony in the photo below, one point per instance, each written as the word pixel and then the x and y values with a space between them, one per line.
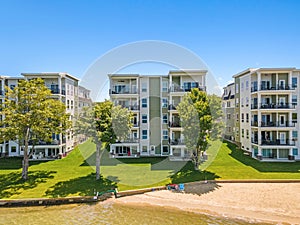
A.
pixel 40 142
pixel 174 124
pixel 254 106
pixel 177 142
pixel 185 89
pixel 284 142
pixel 254 141
pixel 254 89
pixel 172 107
pixel 123 90
pixel 277 124
pixel 276 87
pixel 130 107
pixel 57 91
pixel 136 124
pixel 254 123
pixel 2 93
pixel 129 140
pixel 277 106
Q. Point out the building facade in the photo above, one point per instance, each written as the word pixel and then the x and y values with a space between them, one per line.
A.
pixel 153 99
pixel 267 112
pixel 64 87
pixel 228 106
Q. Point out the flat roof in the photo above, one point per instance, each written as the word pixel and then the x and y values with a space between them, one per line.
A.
pixel 50 74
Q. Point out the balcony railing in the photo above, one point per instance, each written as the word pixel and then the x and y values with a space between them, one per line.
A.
pixel 53 142
pixel 123 91
pixel 276 87
pixel 172 107
pixel 277 124
pixel 254 141
pixel 254 123
pixel 254 106
pixel 131 107
pixel 277 106
pixel 177 142
pixel 285 142
pixel 2 92
pixel 174 124
pixel 129 140
pixel 185 89
pixel 57 91
pixel 137 124
pixel 253 89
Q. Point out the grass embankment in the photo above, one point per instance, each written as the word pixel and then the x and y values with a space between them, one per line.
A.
pixel 74 175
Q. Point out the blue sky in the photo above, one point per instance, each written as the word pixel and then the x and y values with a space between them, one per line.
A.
pixel 68 36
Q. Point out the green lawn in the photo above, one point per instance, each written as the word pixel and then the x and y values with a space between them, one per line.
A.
pixel 74 175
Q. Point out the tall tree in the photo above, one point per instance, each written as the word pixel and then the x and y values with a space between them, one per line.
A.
pixel 215 104
pixel 29 114
pixel 196 120
pixel 101 123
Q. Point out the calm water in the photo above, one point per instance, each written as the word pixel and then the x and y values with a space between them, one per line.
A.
pixel 105 213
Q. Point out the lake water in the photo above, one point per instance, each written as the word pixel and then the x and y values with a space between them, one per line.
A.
pixel 106 213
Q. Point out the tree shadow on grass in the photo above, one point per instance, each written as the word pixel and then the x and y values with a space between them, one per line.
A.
pixel 12 183
pixel 15 163
pixel 189 174
pixel 238 154
pixel 82 186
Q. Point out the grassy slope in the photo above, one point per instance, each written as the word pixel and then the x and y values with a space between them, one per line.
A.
pixel 74 175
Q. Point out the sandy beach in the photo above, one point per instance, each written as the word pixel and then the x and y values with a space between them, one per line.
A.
pixel 255 202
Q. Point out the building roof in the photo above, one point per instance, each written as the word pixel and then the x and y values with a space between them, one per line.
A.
pixel 45 74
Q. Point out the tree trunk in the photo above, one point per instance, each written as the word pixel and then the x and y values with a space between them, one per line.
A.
pixel 98 149
pixel 25 162
pixel 197 159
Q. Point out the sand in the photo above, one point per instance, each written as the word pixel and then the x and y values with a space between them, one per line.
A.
pixel 255 202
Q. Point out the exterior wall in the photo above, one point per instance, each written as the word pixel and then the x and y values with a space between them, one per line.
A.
pixel 273 110
pixel 163 93
pixel 228 107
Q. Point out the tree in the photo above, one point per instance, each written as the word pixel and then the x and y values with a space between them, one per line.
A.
pixel 196 120
pixel 30 114
pixel 103 123
pixel 215 104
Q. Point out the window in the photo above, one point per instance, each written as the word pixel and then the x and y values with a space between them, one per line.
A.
pixel 144 134
pixel 13 149
pixel 228 104
pixel 247 134
pixel 144 87
pixel 187 86
pixel 294 100
pixel 144 149
pixel 295 151
pixel 165 118
pixel 144 103
pixel 295 134
pixel 242 132
pixel 294 117
pixel 144 118
pixel 237 102
pixel 164 102
pixel 294 82
pixel 68 104
pixel 247 117
pixel 228 116
pixel 242 101
pixel 71 104
pixel 12 86
pixel 165 135
pixel 247 101
pixel 237 88
pixel 242 86
pixel 247 85
pixel 242 117
pixel 165 86
pixel 165 149
pixel 237 117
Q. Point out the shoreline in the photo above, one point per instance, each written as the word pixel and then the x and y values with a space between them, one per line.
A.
pixel 253 202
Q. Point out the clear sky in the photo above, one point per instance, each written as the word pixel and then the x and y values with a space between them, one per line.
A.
pixel 67 36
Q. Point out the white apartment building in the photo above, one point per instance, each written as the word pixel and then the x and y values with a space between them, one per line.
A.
pixel 153 99
pixel 64 87
pixel 228 107
pixel 267 112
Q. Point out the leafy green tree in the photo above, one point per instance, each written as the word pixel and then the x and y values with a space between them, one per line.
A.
pixel 215 104
pixel 30 114
pixel 196 120
pixel 103 123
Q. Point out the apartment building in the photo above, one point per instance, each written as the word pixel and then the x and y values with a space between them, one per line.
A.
pixel 228 107
pixel 64 87
pixel 153 99
pixel 267 112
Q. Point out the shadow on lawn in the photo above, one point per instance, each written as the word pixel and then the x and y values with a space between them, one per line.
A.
pixel 15 163
pixel 83 186
pixel 238 154
pixel 189 174
pixel 12 183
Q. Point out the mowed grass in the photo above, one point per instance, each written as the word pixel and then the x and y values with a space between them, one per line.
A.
pixel 75 174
